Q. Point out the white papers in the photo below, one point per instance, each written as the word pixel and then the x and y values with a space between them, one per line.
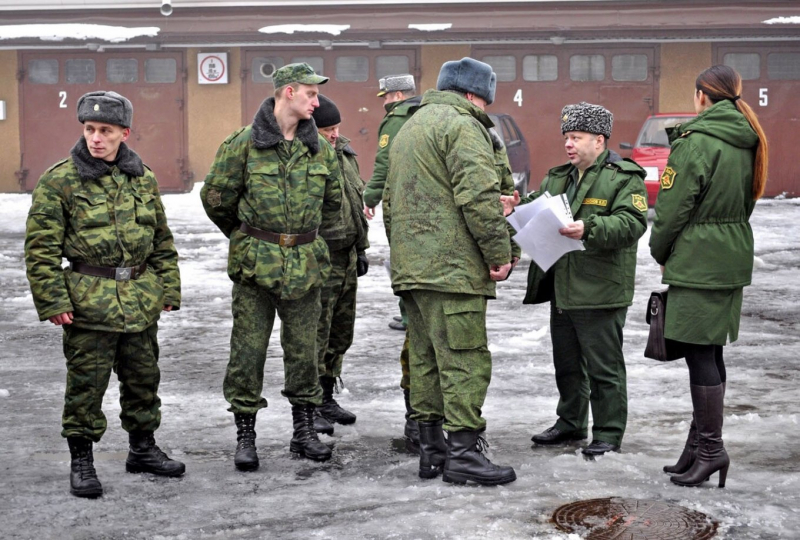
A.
pixel 537 226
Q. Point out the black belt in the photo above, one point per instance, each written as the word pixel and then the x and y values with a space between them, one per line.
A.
pixel 111 272
pixel 286 240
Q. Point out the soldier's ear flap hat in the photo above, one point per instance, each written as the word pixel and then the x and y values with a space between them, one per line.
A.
pixel 587 117
pixel 468 75
pixel 106 107
pixel 327 114
pixel 396 83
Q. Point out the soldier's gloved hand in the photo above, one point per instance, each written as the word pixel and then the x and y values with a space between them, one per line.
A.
pixel 362 264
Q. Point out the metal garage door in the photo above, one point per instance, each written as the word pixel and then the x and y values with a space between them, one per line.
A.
pixel 535 82
pixel 771 84
pixel 52 82
pixel 353 86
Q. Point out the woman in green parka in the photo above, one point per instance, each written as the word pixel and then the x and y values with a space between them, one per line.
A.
pixel 702 238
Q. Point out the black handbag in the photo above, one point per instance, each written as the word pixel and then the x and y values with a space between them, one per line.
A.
pixel 658 347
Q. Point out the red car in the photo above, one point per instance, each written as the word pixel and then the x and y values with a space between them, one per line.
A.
pixel 652 149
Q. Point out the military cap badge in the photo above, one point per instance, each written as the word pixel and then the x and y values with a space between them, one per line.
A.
pixel 96 107
pixel 668 178
pixel 639 202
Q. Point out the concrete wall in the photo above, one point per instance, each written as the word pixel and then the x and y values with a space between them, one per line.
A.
pixel 681 63
pixel 432 58
pixel 214 110
pixel 9 128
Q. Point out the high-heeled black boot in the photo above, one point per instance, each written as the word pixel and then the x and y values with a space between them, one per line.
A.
pixel 689 453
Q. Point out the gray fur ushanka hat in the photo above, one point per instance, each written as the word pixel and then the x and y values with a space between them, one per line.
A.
pixel 468 75
pixel 106 107
pixel 587 117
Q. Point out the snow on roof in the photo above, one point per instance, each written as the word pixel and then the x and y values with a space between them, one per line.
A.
pixel 783 20
pixel 60 32
pixel 333 29
pixel 431 27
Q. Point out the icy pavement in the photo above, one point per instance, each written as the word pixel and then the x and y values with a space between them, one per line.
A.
pixel 370 488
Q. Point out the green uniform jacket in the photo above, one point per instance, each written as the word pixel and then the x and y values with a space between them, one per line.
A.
pixel 503 167
pixel 255 180
pixel 351 228
pixel 612 202
pixel 397 114
pixel 446 220
pixel 88 212
pixel 702 233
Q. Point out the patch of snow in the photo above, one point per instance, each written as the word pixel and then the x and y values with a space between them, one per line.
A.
pixel 431 27
pixel 3 392
pixel 783 20
pixel 60 32
pixel 333 29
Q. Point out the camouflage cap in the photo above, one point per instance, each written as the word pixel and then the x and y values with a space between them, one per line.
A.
pixel 587 117
pixel 106 107
pixel 299 73
pixel 396 83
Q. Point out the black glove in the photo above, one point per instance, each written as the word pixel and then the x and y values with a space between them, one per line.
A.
pixel 362 264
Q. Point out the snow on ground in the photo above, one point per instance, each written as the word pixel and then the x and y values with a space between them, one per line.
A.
pixel 370 488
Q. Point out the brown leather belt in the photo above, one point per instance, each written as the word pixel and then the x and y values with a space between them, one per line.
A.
pixel 286 240
pixel 111 272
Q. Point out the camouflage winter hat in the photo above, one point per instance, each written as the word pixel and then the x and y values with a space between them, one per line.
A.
pixel 299 73
pixel 396 83
pixel 106 107
pixel 587 117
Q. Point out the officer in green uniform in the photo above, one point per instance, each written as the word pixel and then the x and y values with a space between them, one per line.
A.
pixel 347 242
pixel 101 210
pixel 590 291
pixel 272 186
pixel 449 245
pixel 400 103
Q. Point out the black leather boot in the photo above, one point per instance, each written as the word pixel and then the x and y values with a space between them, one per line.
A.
pixel 305 440
pixel 689 450
pixel 321 424
pixel 466 462
pixel 432 449
pixel 246 457
pixel 707 402
pixel 83 480
pixel 411 430
pixel 145 456
pixel 330 409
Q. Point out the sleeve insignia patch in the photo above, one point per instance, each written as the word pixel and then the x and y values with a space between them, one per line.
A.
pixel 639 202
pixel 384 142
pixel 214 198
pixel 668 178
pixel 595 202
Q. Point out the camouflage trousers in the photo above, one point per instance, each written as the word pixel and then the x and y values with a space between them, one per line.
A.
pixel 254 310
pixel 338 319
pixel 405 380
pixel 450 363
pixel 91 357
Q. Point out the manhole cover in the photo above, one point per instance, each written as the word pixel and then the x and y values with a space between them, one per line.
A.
pixel 633 519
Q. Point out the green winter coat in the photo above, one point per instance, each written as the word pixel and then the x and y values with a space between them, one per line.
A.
pixel 701 233
pixel 447 224
pixel 256 179
pixel 612 202
pixel 397 114
pixel 351 227
pixel 86 211
pixel 503 167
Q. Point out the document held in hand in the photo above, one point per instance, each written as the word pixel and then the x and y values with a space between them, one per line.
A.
pixel 537 226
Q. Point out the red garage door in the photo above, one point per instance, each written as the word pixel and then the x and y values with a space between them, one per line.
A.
pixel 535 82
pixel 353 86
pixel 50 87
pixel 771 84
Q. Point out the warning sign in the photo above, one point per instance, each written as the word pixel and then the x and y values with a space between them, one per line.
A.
pixel 212 68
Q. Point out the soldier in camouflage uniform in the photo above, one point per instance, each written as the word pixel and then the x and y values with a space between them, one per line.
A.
pixel 272 186
pixel 449 245
pixel 400 103
pixel 102 211
pixel 347 242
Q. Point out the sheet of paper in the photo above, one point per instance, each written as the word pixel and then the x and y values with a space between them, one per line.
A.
pixel 537 226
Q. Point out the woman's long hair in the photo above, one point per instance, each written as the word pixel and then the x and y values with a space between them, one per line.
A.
pixel 723 82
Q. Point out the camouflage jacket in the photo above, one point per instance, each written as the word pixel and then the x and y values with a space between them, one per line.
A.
pixel 87 211
pixel 447 224
pixel 503 167
pixel 351 228
pixel 280 186
pixel 397 114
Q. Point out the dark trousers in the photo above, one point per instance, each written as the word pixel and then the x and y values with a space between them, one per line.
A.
pixel 706 365
pixel 590 370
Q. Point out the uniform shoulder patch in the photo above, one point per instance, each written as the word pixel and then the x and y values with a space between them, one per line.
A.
pixel 668 178
pixel 596 202
pixel 639 202
pixel 384 140
pixel 213 198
